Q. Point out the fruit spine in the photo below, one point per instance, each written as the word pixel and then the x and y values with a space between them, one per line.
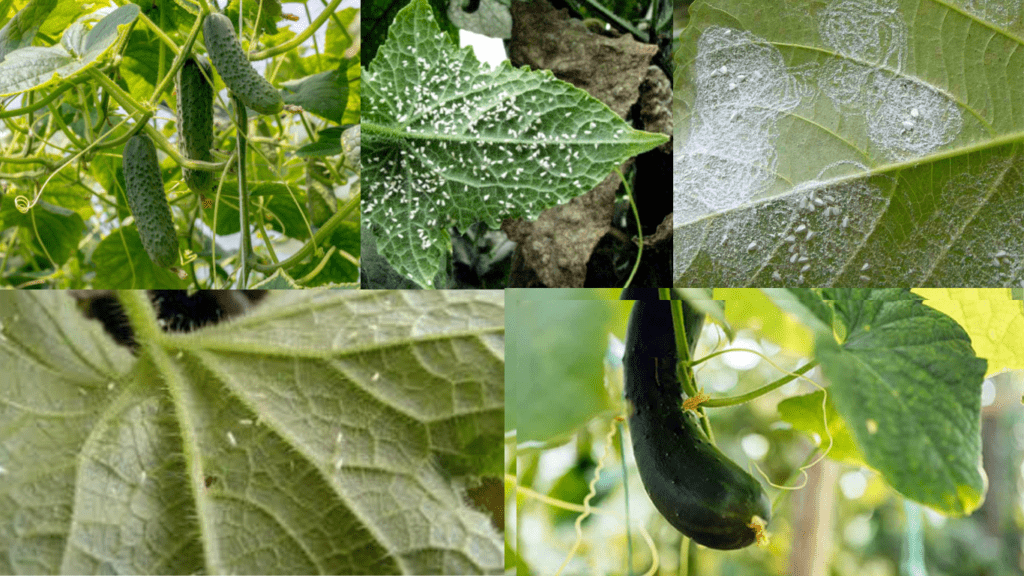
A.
pixel 144 189
pixel 234 68
pixel 195 121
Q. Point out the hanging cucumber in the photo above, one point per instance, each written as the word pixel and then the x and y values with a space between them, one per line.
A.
pixel 234 68
pixel 696 488
pixel 144 189
pixel 195 121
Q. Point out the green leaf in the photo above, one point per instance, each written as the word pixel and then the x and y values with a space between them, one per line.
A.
pixel 377 16
pixel 452 143
pixel 35 66
pixel 343 37
pixel 122 263
pixel 324 94
pixel 558 383
pixel 308 437
pixel 58 228
pixel 338 268
pixel 908 385
pixel 269 11
pixel 804 413
pixel 21 29
pixel 848 143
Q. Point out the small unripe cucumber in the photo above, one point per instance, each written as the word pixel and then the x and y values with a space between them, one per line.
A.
pixel 696 488
pixel 195 121
pixel 234 68
pixel 144 189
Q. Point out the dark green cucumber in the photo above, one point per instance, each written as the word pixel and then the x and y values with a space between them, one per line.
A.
pixel 700 491
pixel 234 68
pixel 195 121
pixel 144 189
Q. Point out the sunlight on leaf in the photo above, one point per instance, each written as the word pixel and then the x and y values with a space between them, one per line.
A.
pixel 908 384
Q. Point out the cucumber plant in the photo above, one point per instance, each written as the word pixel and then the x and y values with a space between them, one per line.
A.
pixel 234 68
pixel 699 490
pixel 144 189
pixel 77 88
pixel 195 121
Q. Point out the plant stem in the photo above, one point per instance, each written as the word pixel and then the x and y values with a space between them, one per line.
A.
pixel 37 104
pixel 629 535
pixel 242 119
pixel 735 400
pixel 179 58
pixel 306 33
pixel 321 235
pixel 140 314
pixel 639 231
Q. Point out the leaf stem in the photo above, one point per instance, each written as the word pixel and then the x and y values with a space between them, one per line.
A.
pixel 321 235
pixel 141 315
pixel 735 400
pixel 39 103
pixel 625 474
pixel 179 58
pixel 242 119
pixel 306 33
pixel 639 232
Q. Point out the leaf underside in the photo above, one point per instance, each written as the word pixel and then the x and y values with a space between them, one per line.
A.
pixel 856 143
pixel 323 433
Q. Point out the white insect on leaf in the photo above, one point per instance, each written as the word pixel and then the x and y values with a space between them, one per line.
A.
pixel 231 439
pixel 437 143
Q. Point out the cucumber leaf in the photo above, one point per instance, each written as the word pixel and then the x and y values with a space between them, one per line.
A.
pixel 452 143
pixel 34 67
pixel 322 433
pixel 908 385
pixel 21 29
pixel 849 143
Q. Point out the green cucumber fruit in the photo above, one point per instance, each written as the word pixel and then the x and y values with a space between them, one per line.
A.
pixel 234 68
pixel 195 121
pixel 144 188
pixel 696 488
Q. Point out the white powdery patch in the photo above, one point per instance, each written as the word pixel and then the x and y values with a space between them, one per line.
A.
pixel 811 236
pixel 911 118
pixel 960 237
pixel 1002 12
pixel 906 117
pixel 824 239
pixel 742 87
pixel 871 31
